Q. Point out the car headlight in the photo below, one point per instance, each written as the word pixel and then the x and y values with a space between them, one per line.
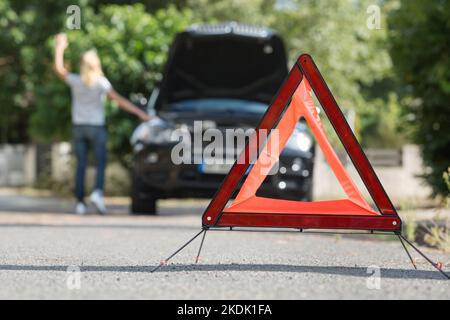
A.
pixel 300 140
pixel 303 141
pixel 155 131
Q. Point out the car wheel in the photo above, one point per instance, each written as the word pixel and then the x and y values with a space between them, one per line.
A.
pixel 308 196
pixel 142 204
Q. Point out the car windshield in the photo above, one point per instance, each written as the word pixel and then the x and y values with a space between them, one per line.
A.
pixel 218 105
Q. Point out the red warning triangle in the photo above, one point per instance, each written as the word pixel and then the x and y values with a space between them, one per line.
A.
pixel 293 102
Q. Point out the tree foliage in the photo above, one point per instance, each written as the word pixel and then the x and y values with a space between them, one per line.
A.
pixel 420 48
pixel 23 58
pixel 133 40
pixel 133 47
pixel 353 58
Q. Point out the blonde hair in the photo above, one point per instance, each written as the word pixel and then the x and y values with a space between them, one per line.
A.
pixel 91 68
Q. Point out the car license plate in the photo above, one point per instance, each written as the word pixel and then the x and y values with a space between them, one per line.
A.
pixel 215 168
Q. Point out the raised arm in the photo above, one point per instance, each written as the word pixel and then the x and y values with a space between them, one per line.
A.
pixel 126 105
pixel 61 44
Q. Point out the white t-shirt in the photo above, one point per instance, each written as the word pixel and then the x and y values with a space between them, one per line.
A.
pixel 88 103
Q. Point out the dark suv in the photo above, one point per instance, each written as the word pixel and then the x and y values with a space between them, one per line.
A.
pixel 224 76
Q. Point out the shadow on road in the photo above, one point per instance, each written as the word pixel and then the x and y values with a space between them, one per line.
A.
pixel 340 271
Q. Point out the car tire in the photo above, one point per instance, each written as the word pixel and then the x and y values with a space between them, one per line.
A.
pixel 142 204
pixel 143 207
pixel 308 196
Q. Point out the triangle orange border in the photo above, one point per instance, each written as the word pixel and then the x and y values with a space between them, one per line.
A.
pixel 301 106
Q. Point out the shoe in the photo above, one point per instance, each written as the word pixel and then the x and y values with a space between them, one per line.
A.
pixel 98 202
pixel 81 209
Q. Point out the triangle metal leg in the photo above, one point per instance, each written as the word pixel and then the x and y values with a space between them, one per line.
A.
pixel 164 262
pixel 408 253
pixel 201 247
pixel 435 265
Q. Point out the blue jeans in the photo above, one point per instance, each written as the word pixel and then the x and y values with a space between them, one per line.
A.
pixel 86 137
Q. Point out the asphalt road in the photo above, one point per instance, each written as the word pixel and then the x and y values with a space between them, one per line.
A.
pixel 45 254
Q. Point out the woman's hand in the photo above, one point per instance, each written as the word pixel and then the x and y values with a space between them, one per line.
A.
pixel 61 41
pixel 144 117
pixel 61 44
pixel 126 105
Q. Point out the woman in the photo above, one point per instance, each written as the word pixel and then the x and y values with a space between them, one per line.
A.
pixel 89 90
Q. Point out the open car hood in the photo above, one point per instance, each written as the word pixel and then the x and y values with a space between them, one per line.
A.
pixel 227 61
